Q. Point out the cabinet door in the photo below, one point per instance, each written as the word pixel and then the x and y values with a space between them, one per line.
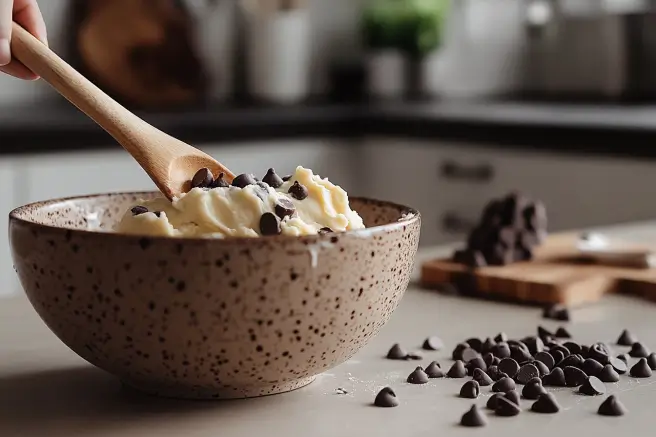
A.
pixel 8 279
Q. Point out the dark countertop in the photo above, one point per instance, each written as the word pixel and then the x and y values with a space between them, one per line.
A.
pixel 624 130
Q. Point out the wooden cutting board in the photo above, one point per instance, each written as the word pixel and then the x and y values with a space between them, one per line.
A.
pixel 557 275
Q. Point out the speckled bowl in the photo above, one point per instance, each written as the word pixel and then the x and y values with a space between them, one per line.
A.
pixel 208 318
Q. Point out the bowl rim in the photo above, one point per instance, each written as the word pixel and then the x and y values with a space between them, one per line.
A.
pixel 409 216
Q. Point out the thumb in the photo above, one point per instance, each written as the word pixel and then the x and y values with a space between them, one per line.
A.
pixel 6 8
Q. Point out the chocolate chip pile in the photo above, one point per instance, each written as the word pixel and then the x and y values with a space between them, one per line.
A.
pixel 535 362
pixel 509 230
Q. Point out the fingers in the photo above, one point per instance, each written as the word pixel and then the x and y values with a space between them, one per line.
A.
pixel 5 30
pixel 18 70
pixel 27 14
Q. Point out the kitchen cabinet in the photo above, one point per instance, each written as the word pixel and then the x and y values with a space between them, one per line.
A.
pixel 449 183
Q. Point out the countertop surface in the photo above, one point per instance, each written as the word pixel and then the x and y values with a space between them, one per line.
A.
pixel 607 129
pixel 46 390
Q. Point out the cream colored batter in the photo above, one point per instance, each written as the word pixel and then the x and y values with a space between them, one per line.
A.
pixel 236 212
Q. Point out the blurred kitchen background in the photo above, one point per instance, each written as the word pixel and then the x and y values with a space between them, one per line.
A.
pixel 433 103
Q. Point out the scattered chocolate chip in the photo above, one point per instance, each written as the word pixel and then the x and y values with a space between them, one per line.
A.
pixel 418 376
pixel 219 182
pixel 520 354
pixel 518 345
pixel 270 224
pixel 571 361
pixel 641 369
pixel 434 370
pixel 543 333
pixel 546 404
pixel 627 338
pixel 298 191
pixel 457 351
pixel 475 343
pixel 489 359
pixel 512 396
pixel 506 408
pixel 592 387
pixel 501 350
pixel 546 358
pixel 592 367
pixel 476 363
pixel 493 401
pixel 533 389
pixel 585 350
pixel 526 373
pixel 651 360
pixel 469 354
pixel 272 179
pixel 559 347
pixel 324 231
pixel 487 346
pixel 562 333
pixel 493 372
pixel 608 374
pixel 509 366
pixel 612 407
pixel 534 344
pixel 457 370
pixel 396 352
pixel 574 376
pixel 413 357
pixel 639 350
pixel 504 385
pixel 473 418
pixel 556 378
pixel 202 179
pixel 284 208
pixel 574 348
pixel 557 356
pixel 556 312
pixel 470 390
pixel 619 365
pixel 623 357
pixel 482 378
pixel 542 368
pixel 386 398
pixel 433 343
pixel 501 337
pixel 138 210
pixel 599 352
pixel 243 180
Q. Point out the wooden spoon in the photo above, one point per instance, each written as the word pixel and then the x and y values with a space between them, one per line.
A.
pixel 169 162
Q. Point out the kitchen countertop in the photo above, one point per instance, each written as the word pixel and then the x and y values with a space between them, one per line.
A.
pixel 46 390
pixel 602 129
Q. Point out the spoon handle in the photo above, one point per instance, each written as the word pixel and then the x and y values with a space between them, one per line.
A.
pixel 123 125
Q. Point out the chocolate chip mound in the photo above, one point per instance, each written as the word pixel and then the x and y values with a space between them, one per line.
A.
pixel 555 379
pixel 506 408
pixel 298 191
pixel 626 338
pixel 418 376
pixel 244 180
pixel 219 182
pixel 434 370
pixel 534 389
pixel 608 374
pixel 202 179
pixel 386 398
pixel 639 350
pixel 396 352
pixel 504 385
pixel 457 370
pixel 482 378
pixel 138 210
pixel 641 369
pixel 612 406
pixel 272 179
pixel 270 224
pixel 546 404
pixel 473 418
pixel 470 390
pixel 284 208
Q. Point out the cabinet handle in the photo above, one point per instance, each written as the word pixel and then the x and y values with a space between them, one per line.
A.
pixel 474 173
pixel 452 222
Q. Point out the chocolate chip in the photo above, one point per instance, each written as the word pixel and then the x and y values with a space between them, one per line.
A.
pixel 641 369
pixel 574 376
pixel 434 370
pixel 473 418
pixel 546 404
pixel 457 370
pixel 556 378
pixel 592 387
pixel 608 374
pixel 396 352
pixel 612 407
pixel 534 344
pixel 286 178
pixel 386 398
pixel 469 354
pixel 651 360
pixel 243 180
pixel 639 350
pixel 469 258
pixel 557 356
pixel 418 376
pixel 457 351
pixel 501 337
pixel 489 359
pixel 506 408
pixel 504 385
pixel 202 179
pixel 272 179
pixel 158 214
pixel 501 350
pixel 470 390
pixel 592 367
pixel 324 231
pixel 482 378
pixel 600 352
pixel 219 182
pixel 585 350
pixel 270 224
pixel 413 357
pixel 559 347
pixel 475 343
pixel 520 354
pixel 542 368
pixel 526 373
pixel 533 389
pixel 543 333
pixel 284 208
pixel 546 358
pixel 623 357
pixel 627 338
pixel 512 396
pixel 298 191
pixel 556 312
pixel 476 363
pixel 138 210
pixel 571 361
pixel 494 373
pixel 340 391
pixel 261 190
pixel 487 346
pixel 618 365
pixel 562 333
pixel 509 366
pixel 493 401
pixel 574 348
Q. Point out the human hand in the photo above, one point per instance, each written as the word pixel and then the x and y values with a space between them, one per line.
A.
pixel 27 14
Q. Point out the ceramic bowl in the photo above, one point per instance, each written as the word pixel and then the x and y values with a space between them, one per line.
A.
pixel 210 318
